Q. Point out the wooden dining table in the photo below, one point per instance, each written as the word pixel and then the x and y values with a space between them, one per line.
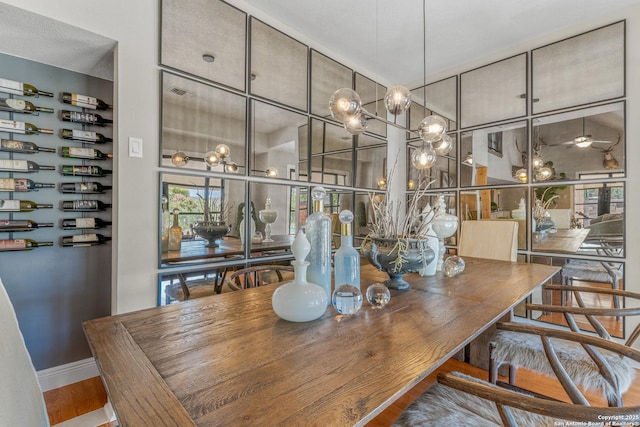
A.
pixel 564 240
pixel 229 360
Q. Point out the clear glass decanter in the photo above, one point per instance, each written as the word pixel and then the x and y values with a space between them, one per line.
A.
pixel 347 259
pixel 318 231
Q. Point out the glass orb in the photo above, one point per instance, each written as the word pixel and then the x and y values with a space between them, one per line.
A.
pixel 443 146
pixel 271 172
pixel 432 128
pixel 346 216
pixel 223 151
pixel 521 175
pixel 397 100
pixel 544 173
pixel 179 159
pixel 452 266
pixel 356 124
pixel 411 185
pixel 378 295
pixel 347 299
pixel 318 193
pixel 537 162
pixel 344 103
pixel 231 167
pixel 211 158
pixel 423 158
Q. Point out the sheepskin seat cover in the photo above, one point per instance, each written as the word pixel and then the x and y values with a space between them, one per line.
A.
pixel 525 350
pixel 444 406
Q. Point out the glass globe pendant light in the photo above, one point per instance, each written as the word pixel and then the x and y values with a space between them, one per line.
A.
pixel 537 162
pixel 397 100
pixel 344 103
pixel 424 157
pixel 223 151
pixel 521 175
pixel 357 124
pixel 544 173
pixel 211 158
pixel 443 146
pixel 179 159
pixel 432 128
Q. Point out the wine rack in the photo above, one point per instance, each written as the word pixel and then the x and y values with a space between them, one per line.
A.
pixel 79 158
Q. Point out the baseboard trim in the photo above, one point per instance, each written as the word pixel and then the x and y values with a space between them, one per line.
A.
pixel 60 376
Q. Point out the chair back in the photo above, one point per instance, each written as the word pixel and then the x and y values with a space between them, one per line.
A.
pixel 21 400
pixel 259 275
pixel 492 239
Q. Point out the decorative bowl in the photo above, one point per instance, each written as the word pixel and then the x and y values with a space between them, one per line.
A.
pixel 211 231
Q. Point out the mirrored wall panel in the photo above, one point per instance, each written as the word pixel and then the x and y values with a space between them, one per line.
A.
pixel 494 156
pixel 278 66
pixel 494 92
pixel 372 97
pixel 327 76
pixel 441 175
pixel 331 154
pixel 202 122
pixel 579 273
pixel 275 140
pixel 562 70
pixel 584 219
pixel 206 39
pixel 441 99
pixel 200 219
pixel 372 167
pixel 581 143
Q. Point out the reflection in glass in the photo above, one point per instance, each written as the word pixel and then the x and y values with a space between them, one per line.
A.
pixel 197 118
pixel 440 98
pixel 494 155
pixel 442 175
pixel 557 139
pixel 372 166
pixel 372 96
pixel 326 76
pixel 275 134
pixel 279 64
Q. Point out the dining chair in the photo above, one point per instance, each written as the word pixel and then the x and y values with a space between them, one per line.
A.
pixel 492 239
pixel 458 399
pixel 21 399
pixel 520 350
pixel 259 275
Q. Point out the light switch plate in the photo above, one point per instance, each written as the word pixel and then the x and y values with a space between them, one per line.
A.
pixel 135 147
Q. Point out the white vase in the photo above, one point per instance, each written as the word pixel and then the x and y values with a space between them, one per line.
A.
pixel 253 230
pixel 430 269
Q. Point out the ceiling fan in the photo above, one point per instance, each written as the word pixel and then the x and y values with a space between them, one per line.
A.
pixel 584 140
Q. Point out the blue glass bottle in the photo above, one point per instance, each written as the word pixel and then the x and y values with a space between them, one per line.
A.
pixel 347 258
pixel 318 231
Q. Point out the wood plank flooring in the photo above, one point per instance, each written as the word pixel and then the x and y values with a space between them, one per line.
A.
pixel 85 396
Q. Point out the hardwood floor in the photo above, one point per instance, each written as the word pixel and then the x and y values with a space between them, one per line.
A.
pixel 85 396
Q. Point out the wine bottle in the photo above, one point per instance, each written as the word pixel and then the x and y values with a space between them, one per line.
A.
pixel 318 231
pixel 71 170
pixel 78 240
pixel 23 147
pixel 20 88
pixel 175 233
pixel 84 101
pixel 22 127
pixel 84 205
pixel 83 187
pixel 21 244
pixel 84 223
pixel 16 225
pixel 84 136
pixel 7 205
pixel 21 106
pixel 26 166
pixel 84 153
pixel 21 184
pixel 87 118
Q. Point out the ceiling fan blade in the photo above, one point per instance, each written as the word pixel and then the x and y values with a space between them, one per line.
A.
pixel 602 142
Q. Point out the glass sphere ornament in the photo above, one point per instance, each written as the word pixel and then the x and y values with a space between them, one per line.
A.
pixel 443 146
pixel 452 266
pixel 424 157
pixel 344 103
pixel 357 124
pixel 432 128
pixel 179 159
pixel 318 193
pixel 347 299
pixel 397 100
pixel 231 167
pixel 223 151
pixel 211 158
pixel 378 295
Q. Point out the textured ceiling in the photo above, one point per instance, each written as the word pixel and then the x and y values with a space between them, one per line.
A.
pixel 386 36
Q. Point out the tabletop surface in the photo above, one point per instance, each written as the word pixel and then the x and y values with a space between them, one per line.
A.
pixel 229 360
pixel 566 240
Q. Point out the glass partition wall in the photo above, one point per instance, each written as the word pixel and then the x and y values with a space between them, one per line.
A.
pixel 553 160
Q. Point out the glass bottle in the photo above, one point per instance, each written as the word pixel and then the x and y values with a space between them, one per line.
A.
pixel 84 153
pixel 26 166
pixel 84 136
pixel 84 223
pixel 21 244
pixel 175 233
pixel 166 225
pixel 84 205
pixel 20 88
pixel 21 184
pixel 84 101
pixel 7 205
pixel 79 240
pixel 347 259
pixel 318 231
pixel 22 127
pixel 71 170
pixel 21 106
pixel 84 187
pixel 82 117
pixel 15 225
pixel 23 147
